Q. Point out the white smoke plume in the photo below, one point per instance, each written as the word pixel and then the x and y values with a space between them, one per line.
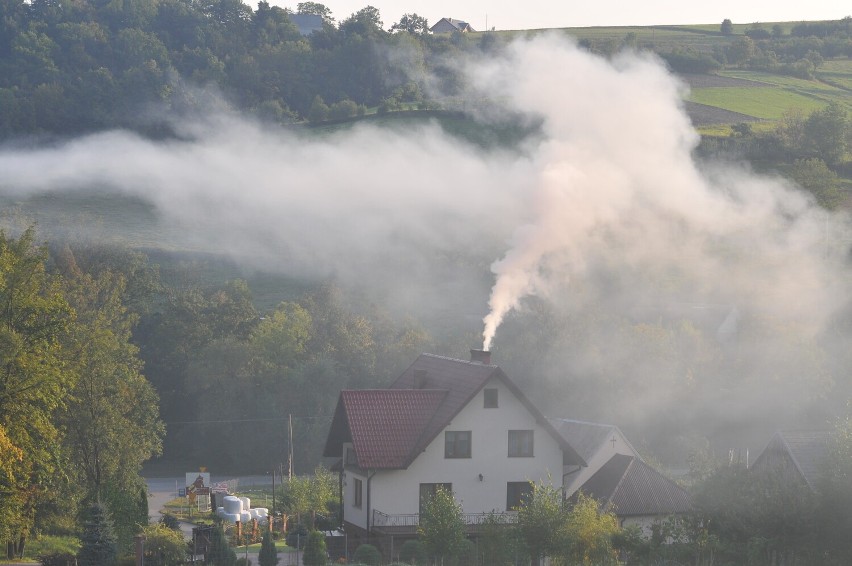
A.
pixel 608 200
pixel 616 178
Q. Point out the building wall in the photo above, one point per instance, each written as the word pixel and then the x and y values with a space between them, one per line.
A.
pixel 444 27
pixel 574 479
pixel 398 491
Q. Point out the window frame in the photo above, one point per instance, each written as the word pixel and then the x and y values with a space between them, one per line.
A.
pixel 358 489
pixel 521 444
pixel 516 491
pixel 490 398
pixel 454 440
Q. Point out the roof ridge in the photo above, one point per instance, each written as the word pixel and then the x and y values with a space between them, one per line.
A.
pixel 459 360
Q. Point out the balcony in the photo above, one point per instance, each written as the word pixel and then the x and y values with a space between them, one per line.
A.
pixel 407 523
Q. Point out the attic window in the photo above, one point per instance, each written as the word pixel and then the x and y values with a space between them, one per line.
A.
pixel 490 397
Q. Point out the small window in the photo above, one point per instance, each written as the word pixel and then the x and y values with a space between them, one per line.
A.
pixel 520 444
pixel 428 491
pixel 457 444
pixel 351 460
pixel 358 487
pixel 517 493
pixel 490 398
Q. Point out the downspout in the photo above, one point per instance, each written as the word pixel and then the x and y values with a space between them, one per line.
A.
pixel 369 507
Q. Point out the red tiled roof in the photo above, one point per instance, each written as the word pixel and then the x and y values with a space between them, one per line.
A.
pixel 386 424
pixel 390 427
pixel 632 487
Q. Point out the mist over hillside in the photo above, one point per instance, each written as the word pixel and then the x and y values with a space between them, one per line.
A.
pixel 616 259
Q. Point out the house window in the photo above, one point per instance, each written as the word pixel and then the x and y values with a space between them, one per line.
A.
pixel 428 491
pixel 520 444
pixel 358 488
pixel 517 493
pixel 490 396
pixel 351 460
pixel 457 444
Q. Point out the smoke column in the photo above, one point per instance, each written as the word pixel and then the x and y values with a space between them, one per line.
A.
pixel 615 181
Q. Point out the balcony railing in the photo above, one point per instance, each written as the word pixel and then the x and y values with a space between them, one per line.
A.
pixel 412 520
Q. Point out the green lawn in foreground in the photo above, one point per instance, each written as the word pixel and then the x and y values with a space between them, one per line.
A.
pixel 766 103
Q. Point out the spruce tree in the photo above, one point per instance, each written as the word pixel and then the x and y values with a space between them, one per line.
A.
pixel 98 543
pixel 315 552
pixel 221 553
pixel 268 555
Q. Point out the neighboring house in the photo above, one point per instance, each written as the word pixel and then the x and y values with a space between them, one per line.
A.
pixel 595 443
pixel 794 457
pixel 637 493
pixel 462 425
pixel 450 25
pixel 307 23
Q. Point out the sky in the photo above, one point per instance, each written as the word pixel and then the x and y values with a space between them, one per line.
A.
pixel 507 15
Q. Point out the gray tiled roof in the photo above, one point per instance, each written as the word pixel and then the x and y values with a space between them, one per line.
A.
pixel 806 448
pixel 632 487
pixel 586 438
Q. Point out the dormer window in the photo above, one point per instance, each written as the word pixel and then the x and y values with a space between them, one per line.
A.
pixel 490 398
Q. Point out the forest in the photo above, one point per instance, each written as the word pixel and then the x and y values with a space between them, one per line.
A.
pixel 182 359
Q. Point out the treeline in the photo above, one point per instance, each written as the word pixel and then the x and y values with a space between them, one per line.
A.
pixel 100 356
pixel 68 67
pixel 77 417
pixel 798 53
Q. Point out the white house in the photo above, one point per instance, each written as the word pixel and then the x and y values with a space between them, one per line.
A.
pixel 445 422
pixel 595 443
pixel 450 25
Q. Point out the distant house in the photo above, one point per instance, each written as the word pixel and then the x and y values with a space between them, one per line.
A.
pixel 454 424
pixel 595 443
pixel 450 25
pixel 307 23
pixel 794 457
pixel 637 493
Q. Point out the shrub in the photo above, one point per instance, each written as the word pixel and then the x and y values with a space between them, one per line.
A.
pixel 297 536
pixel 315 551
pixel 170 521
pixel 467 553
pixel 367 554
pixel 57 559
pixel 413 552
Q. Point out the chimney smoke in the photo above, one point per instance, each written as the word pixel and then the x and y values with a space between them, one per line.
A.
pixel 480 357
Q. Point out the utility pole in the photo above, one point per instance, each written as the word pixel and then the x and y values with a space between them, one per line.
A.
pixel 290 447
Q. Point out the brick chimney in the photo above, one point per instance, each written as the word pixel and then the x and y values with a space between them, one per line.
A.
pixel 480 357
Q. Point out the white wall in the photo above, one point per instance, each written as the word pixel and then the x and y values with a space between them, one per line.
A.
pixel 398 491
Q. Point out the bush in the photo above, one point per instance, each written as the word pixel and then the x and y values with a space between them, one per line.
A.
pixel 413 552
pixel 170 521
pixel 297 536
pixel 315 551
pixel 467 553
pixel 367 554
pixel 57 559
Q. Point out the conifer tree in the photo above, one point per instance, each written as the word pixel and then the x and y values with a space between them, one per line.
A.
pixel 315 551
pixel 99 547
pixel 268 555
pixel 221 553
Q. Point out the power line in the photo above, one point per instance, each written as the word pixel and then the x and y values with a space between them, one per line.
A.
pixel 271 419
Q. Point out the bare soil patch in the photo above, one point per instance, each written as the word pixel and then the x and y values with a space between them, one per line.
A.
pixel 703 115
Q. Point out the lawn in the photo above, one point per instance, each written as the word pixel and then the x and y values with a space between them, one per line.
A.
pixel 838 73
pixel 765 103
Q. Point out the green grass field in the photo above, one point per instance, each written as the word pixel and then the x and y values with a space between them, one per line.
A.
pixel 765 103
